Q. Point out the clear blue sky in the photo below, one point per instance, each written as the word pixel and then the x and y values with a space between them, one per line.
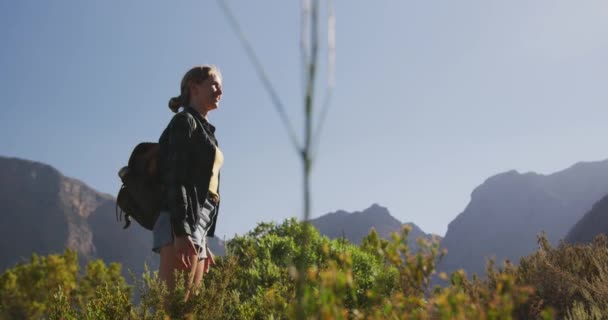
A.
pixel 431 98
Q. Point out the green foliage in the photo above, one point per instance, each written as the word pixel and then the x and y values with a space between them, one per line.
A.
pixel 570 279
pixel 25 290
pixel 52 286
pixel 381 279
pixel 267 257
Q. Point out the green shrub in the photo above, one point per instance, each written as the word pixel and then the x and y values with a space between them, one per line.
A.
pixel 26 289
pixel 570 279
pixel 381 279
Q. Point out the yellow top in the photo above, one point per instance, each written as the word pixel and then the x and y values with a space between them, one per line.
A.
pixel 217 164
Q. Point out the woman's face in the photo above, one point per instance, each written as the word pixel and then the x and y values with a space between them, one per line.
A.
pixel 207 94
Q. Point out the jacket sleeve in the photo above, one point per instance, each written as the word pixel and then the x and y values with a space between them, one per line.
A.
pixel 178 184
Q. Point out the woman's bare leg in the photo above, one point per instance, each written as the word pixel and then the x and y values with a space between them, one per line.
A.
pixel 203 267
pixel 199 272
pixel 169 263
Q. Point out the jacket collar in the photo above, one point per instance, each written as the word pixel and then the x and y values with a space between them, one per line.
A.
pixel 202 120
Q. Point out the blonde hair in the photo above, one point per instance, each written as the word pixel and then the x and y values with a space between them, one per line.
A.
pixel 197 74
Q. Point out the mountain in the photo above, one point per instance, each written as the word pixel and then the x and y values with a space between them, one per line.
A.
pixel 356 225
pixel 592 224
pixel 44 212
pixel 509 210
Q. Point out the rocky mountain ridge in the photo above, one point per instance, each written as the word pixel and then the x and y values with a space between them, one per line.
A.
pixel 509 210
pixel 45 212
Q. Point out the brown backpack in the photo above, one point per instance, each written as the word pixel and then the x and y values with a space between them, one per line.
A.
pixel 140 196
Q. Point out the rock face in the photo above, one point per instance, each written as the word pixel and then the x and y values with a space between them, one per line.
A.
pixel 509 210
pixel 594 222
pixel 32 212
pixel 356 225
pixel 44 212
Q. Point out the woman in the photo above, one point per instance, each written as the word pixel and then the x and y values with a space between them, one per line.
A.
pixel 190 161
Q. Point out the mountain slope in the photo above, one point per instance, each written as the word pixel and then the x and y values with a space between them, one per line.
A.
pixel 44 212
pixel 592 224
pixel 509 210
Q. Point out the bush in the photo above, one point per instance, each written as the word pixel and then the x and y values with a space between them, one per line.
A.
pixel 52 286
pixel 570 279
pixel 381 279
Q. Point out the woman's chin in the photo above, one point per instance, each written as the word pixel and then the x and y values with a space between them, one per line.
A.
pixel 211 107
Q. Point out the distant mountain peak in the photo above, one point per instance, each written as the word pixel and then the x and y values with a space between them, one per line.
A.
pixel 356 225
pixel 377 209
pixel 374 210
pixel 375 206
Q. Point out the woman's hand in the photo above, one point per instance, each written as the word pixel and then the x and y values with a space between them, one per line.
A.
pixel 184 249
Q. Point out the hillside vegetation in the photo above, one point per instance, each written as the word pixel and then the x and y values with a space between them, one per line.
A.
pixel 379 279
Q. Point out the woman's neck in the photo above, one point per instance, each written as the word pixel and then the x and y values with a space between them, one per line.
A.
pixel 202 111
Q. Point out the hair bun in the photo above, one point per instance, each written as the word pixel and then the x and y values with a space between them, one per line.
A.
pixel 175 103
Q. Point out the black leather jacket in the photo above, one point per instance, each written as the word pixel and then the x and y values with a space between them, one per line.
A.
pixel 187 154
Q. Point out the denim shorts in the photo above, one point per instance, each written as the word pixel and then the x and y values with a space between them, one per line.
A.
pixel 163 232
